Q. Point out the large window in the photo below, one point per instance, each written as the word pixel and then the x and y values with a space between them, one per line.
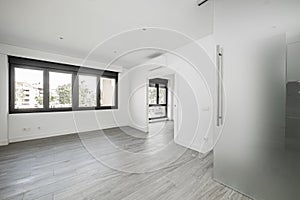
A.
pixel 38 86
pixel 28 88
pixel 60 91
pixel 158 98
pixel 108 91
pixel 152 96
pixel 162 95
pixel 87 91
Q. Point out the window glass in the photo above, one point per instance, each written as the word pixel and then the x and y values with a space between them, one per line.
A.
pixel 38 86
pixel 29 88
pixel 107 89
pixel 87 91
pixel 162 96
pixel 60 94
pixel 157 112
pixel 152 96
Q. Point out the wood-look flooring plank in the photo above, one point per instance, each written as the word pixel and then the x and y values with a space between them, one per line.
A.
pixel 113 164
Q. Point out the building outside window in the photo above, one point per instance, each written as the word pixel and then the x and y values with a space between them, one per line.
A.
pixel 28 88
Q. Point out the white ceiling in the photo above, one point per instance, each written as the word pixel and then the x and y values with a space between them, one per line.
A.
pixel 84 24
pixel 234 18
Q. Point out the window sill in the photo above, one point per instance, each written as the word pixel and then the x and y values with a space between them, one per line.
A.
pixel 61 110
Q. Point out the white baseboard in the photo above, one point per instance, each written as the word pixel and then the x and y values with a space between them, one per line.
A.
pixel 61 133
pixel 231 187
pixel 34 137
pixel 3 143
pixel 143 129
pixel 188 145
pixel 65 132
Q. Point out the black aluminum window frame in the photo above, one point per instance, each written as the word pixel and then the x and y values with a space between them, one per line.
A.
pixel 159 83
pixel 47 67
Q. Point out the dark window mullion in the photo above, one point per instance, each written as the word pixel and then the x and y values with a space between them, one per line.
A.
pixel 116 92
pixel 157 93
pixel 46 90
pixel 75 91
pixel 98 93
pixel 12 88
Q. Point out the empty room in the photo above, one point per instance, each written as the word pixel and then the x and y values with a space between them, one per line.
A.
pixel 149 100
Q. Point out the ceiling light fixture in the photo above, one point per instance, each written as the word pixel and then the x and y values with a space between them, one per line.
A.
pixel 61 37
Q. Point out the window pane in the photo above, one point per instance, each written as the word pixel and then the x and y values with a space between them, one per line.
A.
pixel 28 88
pixel 152 95
pixel 157 112
pixel 162 96
pixel 87 91
pixel 108 87
pixel 60 94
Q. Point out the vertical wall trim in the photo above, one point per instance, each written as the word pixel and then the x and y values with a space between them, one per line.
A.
pixel 4 100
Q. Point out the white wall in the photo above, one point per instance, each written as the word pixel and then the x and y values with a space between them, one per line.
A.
pixel 39 125
pixel 3 100
pixel 60 123
pixel 138 95
pixel 171 83
pixel 293 61
pixel 195 85
pixel 194 90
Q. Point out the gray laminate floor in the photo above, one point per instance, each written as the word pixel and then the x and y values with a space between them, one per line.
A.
pixel 118 163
